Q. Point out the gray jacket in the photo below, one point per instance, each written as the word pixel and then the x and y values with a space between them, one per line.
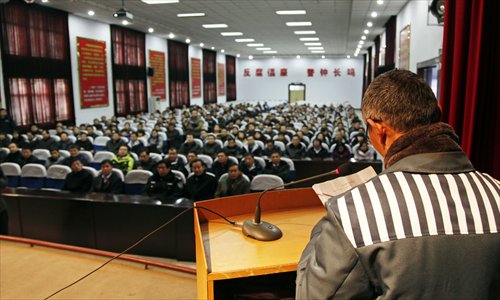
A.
pixel 426 228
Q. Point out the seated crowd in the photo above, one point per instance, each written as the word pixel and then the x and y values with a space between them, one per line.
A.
pixel 218 148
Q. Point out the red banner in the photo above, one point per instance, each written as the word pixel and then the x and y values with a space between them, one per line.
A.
pixel 195 78
pixel 157 81
pixel 221 76
pixel 92 69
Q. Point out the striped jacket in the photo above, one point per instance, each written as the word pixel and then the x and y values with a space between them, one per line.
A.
pixel 426 228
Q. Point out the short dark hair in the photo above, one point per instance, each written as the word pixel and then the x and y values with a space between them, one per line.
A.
pixel 166 162
pixel 196 161
pixel 401 99
pixel 107 161
pixel 73 146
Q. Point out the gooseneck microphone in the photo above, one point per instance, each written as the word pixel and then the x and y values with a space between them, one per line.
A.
pixel 264 231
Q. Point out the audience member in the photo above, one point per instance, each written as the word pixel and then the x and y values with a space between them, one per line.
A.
pixel 173 137
pixel 155 142
pixel 232 149
pixel 145 161
pixel 211 148
pixel 221 164
pixel 74 153
pixel 46 142
pixel 176 163
pixel 115 143
pixel 200 185
pixel 29 158
pixel 107 181
pixel 163 185
pixel 55 158
pixel 249 167
pixel 18 139
pixel 252 147
pixel 64 142
pixel 363 151
pixel 295 150
pixel 7 124
pixel 341 152
pixel 194 124
pixel 189 146
pixel 234 184
pixel 123 160
pixel 270 148
pixel 79 180
pixel 317 151
pixel 15 155
pixel 277 167
pixel 83 143
pixel 4 140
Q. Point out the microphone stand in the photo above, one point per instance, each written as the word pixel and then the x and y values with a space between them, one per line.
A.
pixel 264 231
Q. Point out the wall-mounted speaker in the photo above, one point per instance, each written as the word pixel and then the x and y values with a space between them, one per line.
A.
pixel 437 10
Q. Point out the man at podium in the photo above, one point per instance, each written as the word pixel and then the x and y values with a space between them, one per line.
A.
pixel 425 228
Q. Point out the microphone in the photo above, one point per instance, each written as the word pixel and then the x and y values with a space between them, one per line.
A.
pixel 264 231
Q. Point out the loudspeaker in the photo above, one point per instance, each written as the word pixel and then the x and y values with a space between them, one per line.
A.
pixel 437 9
pixel 151 71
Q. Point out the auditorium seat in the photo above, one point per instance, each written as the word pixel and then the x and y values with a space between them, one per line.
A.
pixel 292 174
pixel 280 145
pixel 13 173
pixel 64 153
pixel 87 155
pixel 179 175
pixel 56 174
pixel 41 154
pixel 156 157
pixel 206 159
pixel 261 161
pixel 99 157
pixel 224 177
pixel 264 181
pixel 136 180
pixel 100 142
pixel 91 170
pixel 33 176
pixel 183 158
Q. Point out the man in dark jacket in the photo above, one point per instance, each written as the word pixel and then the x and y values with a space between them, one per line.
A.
pixel 221 165
pixel 425 228
pixel 79 180
pixel 115 143
pixel 74 153
pixel 200 186
pixel 277 167
pixel 29 158
pixel 145 161
pixel 211 148
pixel 163 185
pixel 234 184
pixel 249 167
pixel 317 151
pixel 107 181
pixel 14 155
pixel 295 150
pixel 46 142
pixel 7 125
pixel 189 146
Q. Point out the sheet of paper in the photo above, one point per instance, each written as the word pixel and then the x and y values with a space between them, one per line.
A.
pixel 337 186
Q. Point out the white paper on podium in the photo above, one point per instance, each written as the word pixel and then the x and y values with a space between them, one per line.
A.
pixel 337 186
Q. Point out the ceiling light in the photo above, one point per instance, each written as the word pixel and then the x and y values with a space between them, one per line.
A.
pixel 380 2
pixel 290 12
pixel 374 14
pixel 318 51
pixel 91 13
pixel 355 54
pixel 263 48
pixel 312 44
pixel 305 32
pixel 366 31
pixel 270 52
pixel 255 45
pixel 125 22
pixel 369 24
pixel 151 30
pixel 298 24
pixel 201 44
pixel 45 1
pixel 348 56
pixel 361 42
pixel 160 1
pixel 322 56
pixel 222 51
pixel 171 35
pixel 298 56
pixel 213 48
pixel 188 41
pixel 244 40
pixel 363 37
pixel 188 15
pixel 214 25
pixel 309 39
pixel 315 48
pixel 238 55
pixel 231 33
pixel 250 57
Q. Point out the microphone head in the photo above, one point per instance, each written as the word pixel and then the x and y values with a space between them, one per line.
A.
pixel 344 169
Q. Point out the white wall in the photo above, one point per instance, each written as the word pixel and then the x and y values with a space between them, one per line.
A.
pixel 319 90
pixel 80 27
pixel 425 40
pixel 157 44
pixel 196 52
pixel 221 59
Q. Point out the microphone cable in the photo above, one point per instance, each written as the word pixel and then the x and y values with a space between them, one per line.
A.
pixel 137 243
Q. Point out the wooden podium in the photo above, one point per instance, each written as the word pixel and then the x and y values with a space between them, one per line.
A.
pixel 229 263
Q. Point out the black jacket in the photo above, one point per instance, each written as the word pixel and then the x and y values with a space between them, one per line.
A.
pixel 228 187
pixel 15 157
pixel 113 185
pixel 164 188
pixel 200 187
pixel 282 169
pixel 192 147
pixel 253 172
pixel 7 125
pixel 80 182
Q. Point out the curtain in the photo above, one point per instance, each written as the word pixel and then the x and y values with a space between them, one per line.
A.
pixel 209 76
pixel 178 73
pixel 36 64
pixel 231 77
pixel 129 70
pixel 390 41
pixel 469 93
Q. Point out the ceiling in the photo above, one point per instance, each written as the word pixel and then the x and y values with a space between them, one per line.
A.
pixel 339 24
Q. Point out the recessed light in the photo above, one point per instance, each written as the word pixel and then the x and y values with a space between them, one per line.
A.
pixel 309 39
pixel 231 33
pixel 369 24
pixel 348 56
pixel 91 13
pixel 312 44
pixel 213 48
pixel 214 25
pixel 125 22
pixel 361 42
pixel 238 55
pixel 188 41
pixel 189 15
pixel 298 24
pixel 270 52
pixel 366 31
pixel 363 37
pixel 244 40
pixel 151 30
pixel 250 57
pixel 380 2
pixel 290 12
pixel 322 56
pixel 263 48
pixel 222 51
pixel 201 44
pixel 315 48
pixel 255 45
pixel 160 1
pixel 318 51
pixel 305 32
pixel 374 14
pixel 298 56
pixel 171 35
